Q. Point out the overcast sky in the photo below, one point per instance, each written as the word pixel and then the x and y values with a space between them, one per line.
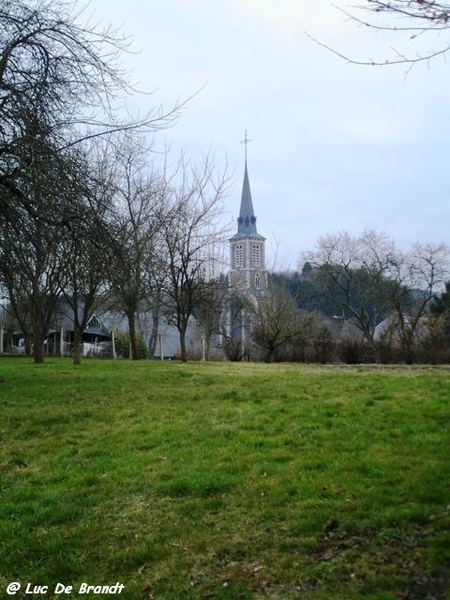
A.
pixel 334 146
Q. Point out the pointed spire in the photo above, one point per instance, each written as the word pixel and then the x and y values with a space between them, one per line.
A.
pixel 247 219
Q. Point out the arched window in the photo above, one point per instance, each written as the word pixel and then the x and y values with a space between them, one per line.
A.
pixel 257 281
pixel 256 255
pixel 238 256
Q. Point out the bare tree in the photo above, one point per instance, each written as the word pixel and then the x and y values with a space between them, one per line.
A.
pixel 32 255
pixel 355 273
pixel 235 322
pixel 135 229
pixel 49 57
pixel 192 228
pixel 60 83
pixel 372 280
pixel 412 21
pixel 419 277
pixel 86 236
pixel 209 310
pixel 276 321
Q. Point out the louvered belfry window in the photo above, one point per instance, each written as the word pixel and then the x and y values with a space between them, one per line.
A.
pixel 238 256
pixel 256 255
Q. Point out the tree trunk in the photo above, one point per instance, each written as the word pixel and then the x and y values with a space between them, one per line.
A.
pixel 38 340
pixel 134 351
pixel 207 340
pixel 408 350
pixel 183 353
pixel 155 330
pixel 269 355
pixel 28 344
pixel 77 346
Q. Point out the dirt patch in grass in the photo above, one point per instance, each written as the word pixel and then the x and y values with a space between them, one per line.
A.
pixel 371 560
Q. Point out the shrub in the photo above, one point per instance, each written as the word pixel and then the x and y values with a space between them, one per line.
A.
pixel 122 341
pixel 355 352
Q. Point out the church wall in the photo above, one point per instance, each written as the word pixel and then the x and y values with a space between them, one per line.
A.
pixel 247 277
pixel 248 253
pixel 247 259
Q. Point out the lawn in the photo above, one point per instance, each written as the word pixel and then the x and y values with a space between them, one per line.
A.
pixel 224 481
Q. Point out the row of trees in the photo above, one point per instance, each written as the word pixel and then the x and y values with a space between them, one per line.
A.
pixel 124 239
pixel 371 279
pixel 358 298
pixel 82 215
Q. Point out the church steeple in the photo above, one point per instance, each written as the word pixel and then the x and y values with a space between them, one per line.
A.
pixel 247 251
pixel 246 219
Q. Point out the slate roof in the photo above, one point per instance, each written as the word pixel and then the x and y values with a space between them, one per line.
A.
pixel 247 220
pixel 65 319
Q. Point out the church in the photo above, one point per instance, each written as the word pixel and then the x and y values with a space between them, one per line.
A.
pixel 247 246
pixel 248 275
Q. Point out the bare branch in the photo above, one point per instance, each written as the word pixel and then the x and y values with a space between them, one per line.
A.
pixel 415 18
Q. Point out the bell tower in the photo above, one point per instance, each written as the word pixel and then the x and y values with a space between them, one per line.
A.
pixel 247 246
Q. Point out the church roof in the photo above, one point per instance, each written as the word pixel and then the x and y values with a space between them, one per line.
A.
pixel 246 219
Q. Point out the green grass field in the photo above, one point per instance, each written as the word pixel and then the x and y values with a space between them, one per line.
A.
pixel 224 481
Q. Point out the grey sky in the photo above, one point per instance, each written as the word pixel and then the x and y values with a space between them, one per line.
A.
pixel 334 146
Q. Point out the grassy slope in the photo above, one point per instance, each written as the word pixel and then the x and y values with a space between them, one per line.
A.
pixel 226 480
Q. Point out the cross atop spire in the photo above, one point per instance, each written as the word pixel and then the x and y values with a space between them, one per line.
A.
pixel 246 141
pixel 246 219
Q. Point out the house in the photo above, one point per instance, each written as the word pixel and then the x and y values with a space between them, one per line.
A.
pixel 160 336
pixel 390 329
pixel 96 338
